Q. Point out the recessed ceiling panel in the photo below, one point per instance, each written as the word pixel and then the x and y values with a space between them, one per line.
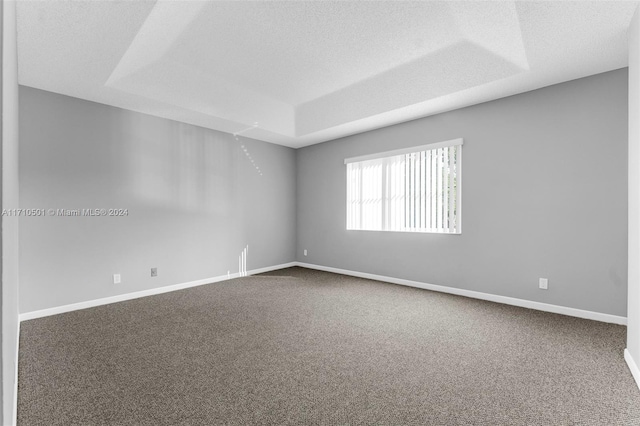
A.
pixel 175 84
pixel 299 51
pixel 575 33
pixel 450 70
pixel 310 71
pixel 71 47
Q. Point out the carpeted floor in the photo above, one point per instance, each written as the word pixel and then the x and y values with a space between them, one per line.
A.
pixel 305 347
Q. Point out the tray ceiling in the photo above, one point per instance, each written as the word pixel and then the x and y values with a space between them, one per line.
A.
pixel 308 72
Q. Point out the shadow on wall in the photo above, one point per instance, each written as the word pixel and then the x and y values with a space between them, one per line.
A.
pixel 194 169
pixel 172 169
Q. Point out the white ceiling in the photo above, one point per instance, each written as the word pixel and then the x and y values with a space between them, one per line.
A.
pixel 311 71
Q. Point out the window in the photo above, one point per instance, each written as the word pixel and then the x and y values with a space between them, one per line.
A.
pixel 412 190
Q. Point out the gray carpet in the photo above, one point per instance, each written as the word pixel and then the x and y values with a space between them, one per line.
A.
pixel 297 346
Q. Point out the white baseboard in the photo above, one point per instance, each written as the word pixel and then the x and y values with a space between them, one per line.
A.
pixel 14 414
pixel 271 268
pixel 635 372
pixel 597 316
pixel 150 292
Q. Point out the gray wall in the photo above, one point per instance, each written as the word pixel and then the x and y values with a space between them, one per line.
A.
pixel 633 298
pixel 544 194
pixel 195 201
pixel 10 323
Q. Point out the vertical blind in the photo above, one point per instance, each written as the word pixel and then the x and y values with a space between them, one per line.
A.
pixel 415 190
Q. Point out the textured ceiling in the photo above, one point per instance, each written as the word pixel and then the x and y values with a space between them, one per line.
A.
pixel 311 71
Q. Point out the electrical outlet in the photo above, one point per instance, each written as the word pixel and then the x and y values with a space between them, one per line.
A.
pixel 154 272
pixel 543 283
pixel 305 252
pixel 116 279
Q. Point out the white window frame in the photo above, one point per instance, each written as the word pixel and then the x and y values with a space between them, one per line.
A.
pixel 385 170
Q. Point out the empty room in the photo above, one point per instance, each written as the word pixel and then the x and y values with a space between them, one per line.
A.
pixel 320 212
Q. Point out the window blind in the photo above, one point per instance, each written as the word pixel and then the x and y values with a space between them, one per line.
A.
pixel 411 190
